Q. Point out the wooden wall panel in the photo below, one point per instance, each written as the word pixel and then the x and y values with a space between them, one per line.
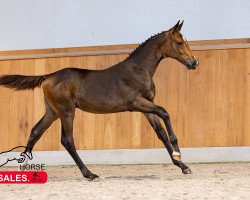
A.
pixel 247 98
pixel 5 94
pixel 235 97
pixel 208 106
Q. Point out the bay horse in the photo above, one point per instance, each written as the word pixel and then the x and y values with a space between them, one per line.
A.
pixel 126 86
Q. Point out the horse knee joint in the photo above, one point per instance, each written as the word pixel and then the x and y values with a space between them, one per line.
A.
pixel 67 142
pixel 34 131
pixel 166 116
pixel 164 113
pixel 33 135
pixel 162 134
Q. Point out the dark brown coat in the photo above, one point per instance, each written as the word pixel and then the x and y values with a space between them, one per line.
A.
pixel 126 86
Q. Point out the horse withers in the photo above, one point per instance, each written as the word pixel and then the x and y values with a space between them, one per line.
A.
pixel 126 86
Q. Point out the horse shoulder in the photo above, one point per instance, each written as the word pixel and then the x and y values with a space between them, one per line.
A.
pixel 137 82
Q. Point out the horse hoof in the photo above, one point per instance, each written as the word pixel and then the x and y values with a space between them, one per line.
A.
pixel 187 171
pixel 92 177
pixel 176 156
pixel 98 179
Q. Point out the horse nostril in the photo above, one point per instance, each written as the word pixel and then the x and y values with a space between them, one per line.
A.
pixel 195 63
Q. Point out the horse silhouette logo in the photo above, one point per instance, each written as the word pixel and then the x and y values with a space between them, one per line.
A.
pixel 36 178
pixel 11 155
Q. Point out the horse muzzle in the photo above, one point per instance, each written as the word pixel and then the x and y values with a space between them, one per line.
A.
pixel 192 64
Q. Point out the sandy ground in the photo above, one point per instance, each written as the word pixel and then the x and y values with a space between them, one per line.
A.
pixel 208 181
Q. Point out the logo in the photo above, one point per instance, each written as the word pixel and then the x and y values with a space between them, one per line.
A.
pixel 10 156
pixel 21 177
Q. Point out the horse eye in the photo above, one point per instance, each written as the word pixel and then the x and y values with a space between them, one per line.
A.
pixel 180 43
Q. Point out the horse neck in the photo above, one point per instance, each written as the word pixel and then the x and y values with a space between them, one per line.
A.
pixel 148 57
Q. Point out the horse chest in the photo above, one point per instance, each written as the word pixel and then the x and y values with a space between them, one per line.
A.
pixel 140 83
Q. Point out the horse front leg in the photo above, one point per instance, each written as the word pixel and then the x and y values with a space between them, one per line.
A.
pixel 161 134
pixel 143 105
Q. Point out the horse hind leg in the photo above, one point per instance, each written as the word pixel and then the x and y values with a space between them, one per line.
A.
pixel 67 141
pixel 37 131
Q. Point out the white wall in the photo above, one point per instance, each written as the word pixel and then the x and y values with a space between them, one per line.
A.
pixel 30 24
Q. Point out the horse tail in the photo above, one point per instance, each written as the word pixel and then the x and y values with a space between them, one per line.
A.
pixel 20 82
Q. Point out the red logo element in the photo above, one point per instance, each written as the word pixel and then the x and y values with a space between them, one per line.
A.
pixel 23 177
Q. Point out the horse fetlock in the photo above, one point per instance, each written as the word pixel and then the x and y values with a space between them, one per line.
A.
pixel 176 155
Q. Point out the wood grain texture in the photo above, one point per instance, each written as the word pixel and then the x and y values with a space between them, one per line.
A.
pixel 246 137
pixel 208 107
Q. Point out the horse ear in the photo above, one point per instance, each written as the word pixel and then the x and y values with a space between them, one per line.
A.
pixel 180 25
pixel 172 30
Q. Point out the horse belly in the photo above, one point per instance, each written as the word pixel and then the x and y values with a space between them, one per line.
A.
pixel 97 104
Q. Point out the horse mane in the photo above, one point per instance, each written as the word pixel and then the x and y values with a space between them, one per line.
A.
pixel 145 42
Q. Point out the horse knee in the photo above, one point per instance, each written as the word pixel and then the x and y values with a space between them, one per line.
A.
pixel 67 142
pixel 34 133
pixel 162 134
pixel 164 114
